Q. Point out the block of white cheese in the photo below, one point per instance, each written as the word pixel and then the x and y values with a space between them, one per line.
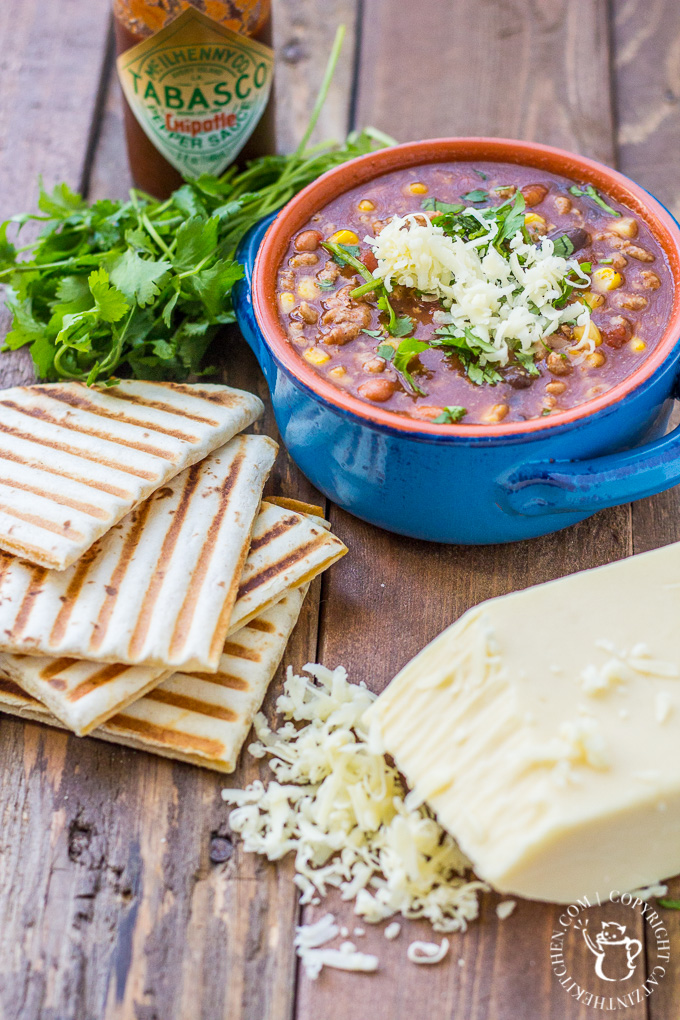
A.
pixel 543 729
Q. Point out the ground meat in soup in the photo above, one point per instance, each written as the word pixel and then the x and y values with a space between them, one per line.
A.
pixel 347 338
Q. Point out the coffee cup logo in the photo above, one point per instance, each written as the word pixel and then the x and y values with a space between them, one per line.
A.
pixel 612 941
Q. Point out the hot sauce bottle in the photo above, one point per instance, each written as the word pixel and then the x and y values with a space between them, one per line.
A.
pixel 196 76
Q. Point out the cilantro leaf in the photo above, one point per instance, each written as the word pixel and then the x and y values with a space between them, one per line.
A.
pixel 196 240
pixel 442 207
pixel 373 332
pixel 563 245
pixel 25 327
pixel 137 278
pixel 403 326
pixel 590 192
pixel 527 362
pixel 477 195
pixel 61 202
pixel 8 252
pixel 213 286
pixel 450 415
pixel 403 356
pixel 109 301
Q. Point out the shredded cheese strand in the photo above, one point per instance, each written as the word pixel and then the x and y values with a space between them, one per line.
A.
pixel 340 807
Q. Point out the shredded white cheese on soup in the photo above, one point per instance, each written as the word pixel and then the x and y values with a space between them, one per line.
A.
pixel 500 300
pixel 340 807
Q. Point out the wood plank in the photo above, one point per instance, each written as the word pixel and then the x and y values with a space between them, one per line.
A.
pixel 540 71
pixel 51 77
pixel 647 44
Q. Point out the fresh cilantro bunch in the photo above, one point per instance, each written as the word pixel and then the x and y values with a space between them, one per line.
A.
pixel 141 287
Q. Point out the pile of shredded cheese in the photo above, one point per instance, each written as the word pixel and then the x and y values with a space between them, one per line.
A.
pixel 499 299
pixel 340 806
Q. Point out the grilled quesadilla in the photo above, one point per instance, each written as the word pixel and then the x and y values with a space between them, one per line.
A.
pixel 75 460
pixel 199 718
pixel 159 588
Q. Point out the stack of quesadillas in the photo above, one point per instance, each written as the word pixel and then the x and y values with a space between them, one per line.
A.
pixel 147 592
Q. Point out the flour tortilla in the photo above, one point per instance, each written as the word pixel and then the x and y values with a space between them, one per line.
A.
pixel 75 460
pixel 159 588
pixel 83 694
pixel 287 549
pixel 199 718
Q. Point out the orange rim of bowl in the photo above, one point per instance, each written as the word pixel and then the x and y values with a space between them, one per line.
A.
pixel 440 150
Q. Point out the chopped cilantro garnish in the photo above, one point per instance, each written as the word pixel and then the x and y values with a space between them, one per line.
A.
pixel 590 192
pixel 604 262
pixel 403 326
pixel 343 253
pixel 527 362
pixel 402 356
pixel 669 904
pixel 450 415
pixel 442 207
pixel 477 195
pixel 468 347
pixel 373 332
pixel 563 246
pixel 480 173
pixel 586 266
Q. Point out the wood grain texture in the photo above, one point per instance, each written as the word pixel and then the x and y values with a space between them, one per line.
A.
pixel 541 72
pixel 303 36
pixel 647 47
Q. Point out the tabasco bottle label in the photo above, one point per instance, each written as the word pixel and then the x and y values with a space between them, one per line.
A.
pixel 197 90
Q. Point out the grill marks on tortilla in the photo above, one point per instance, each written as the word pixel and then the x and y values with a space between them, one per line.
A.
pixel 56 497
pixel 76 452
pixel 170 541
pixel 112 490
pixel 64 529
pixel 38 575
pixel 280 528
pixel 83 457
pixel 107 673
pixel 163 736
pixel 186 613
pixel 285 563
pixel 189 704
pixel 76 400
pixel 74 426
pixel 159 405
pixel 199 717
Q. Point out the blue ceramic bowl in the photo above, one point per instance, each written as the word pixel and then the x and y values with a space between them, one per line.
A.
pixel 467 484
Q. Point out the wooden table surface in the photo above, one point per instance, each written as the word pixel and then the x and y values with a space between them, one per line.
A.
pixel 110 904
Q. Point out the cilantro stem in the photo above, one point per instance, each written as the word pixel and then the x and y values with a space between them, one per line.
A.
pixel 323 91
pixel 339 252
pixel 367 287
pixel 27 267
pixel 150 229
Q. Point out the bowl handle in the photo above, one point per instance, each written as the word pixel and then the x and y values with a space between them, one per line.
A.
pixel 560 487
pixel 243 295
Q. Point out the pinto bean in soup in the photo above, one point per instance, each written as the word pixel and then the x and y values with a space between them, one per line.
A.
pixel 474 294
